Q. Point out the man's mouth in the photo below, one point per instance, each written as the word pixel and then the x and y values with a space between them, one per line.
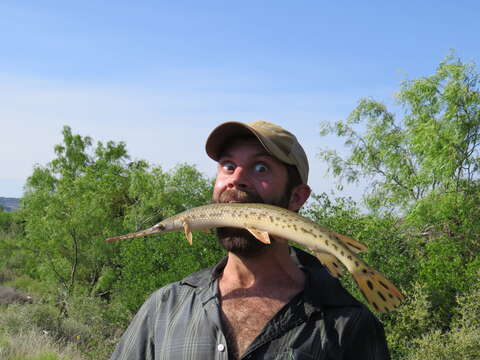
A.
pixel 238 196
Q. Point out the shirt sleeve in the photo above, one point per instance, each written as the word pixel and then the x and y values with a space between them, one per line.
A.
pixel 138 340
pixel 366 339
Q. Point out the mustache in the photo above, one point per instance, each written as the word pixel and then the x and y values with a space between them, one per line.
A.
pixel 239 196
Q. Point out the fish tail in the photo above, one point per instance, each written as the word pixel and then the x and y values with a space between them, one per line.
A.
pixel 380 293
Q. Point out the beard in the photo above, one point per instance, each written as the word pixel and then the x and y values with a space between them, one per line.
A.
pixel 240 241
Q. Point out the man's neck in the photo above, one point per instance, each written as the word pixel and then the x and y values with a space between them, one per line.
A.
pixel 252 290
pixel 270 270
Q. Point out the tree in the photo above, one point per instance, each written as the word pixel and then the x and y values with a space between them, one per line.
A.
pixel 89 193
pixel 433 149
pixel 147 264
pixel 424 171
pixel 70 206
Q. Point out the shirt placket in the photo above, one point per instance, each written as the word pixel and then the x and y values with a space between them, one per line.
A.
pixel 211 307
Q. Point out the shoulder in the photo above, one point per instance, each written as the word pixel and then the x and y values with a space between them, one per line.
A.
pixel 180 289
pixel 347 320
pixel 358 332
pixel 352 319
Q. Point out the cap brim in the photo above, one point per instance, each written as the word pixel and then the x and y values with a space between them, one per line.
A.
pixel 222 133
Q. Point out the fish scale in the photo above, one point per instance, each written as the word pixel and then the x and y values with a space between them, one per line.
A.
pixel 263 220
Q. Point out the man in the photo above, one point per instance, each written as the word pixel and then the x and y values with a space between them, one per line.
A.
pixel 261 301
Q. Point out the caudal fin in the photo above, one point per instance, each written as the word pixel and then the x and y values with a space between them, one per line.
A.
pixel 377 290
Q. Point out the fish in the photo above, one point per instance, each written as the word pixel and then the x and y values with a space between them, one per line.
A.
pixel 264 220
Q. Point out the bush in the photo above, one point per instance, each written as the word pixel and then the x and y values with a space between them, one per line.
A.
pixel 415 333
pixel 6 275
pixel 92 327
pixel 35 345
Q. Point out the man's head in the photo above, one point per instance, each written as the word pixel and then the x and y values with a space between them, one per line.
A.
pixel 258 162
pixel 277 141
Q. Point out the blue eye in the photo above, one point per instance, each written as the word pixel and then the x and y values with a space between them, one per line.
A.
pixel 261 168
pixel 228 166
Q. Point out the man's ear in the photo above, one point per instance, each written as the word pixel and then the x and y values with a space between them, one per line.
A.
pixel 299 196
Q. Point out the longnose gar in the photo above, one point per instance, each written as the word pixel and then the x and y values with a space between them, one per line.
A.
pixel 263 220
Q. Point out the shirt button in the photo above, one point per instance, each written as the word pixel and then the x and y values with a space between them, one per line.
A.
pixel 220 347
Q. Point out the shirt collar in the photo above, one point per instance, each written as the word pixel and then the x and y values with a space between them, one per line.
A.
pixel 321 289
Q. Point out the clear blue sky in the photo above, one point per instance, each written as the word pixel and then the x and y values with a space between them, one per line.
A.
pixel 161 75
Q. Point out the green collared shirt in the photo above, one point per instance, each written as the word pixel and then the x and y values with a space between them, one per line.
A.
pixel 182 321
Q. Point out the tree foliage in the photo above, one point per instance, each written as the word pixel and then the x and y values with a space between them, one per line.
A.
pixel 433 148
pixel 147 264
pixel 88 193
pixel 71 205
pixel 423 198
pixel 420 221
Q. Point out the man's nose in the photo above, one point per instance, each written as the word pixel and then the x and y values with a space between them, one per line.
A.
pixel 239 179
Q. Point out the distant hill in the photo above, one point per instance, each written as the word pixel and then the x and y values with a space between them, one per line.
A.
pixel 9 204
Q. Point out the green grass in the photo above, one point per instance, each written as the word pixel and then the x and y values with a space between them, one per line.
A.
pixel 91 327
pixel 89 330
pixel 35 345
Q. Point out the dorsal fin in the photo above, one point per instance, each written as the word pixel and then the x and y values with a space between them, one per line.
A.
pixel 354 245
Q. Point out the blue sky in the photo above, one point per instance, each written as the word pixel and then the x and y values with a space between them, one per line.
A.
pixel 160 75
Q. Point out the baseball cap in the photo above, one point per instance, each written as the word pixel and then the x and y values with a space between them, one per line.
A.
pixel 278 142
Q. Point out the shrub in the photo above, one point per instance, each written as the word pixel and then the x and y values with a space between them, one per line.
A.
pixel 35 345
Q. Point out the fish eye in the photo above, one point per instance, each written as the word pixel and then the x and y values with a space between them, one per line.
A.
pixel 261 168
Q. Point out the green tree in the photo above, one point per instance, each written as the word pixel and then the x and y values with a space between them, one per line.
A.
pixel 89 193
pixel 432 149
pixel 423 169
pixel 70 206
pixel 382 235
pixel 11 229
pixel 6 220
pixel 147 264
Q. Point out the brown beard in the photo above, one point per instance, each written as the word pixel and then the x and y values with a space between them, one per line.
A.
pixel 240 241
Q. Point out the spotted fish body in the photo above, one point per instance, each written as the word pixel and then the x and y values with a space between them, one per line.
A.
pixel 263 220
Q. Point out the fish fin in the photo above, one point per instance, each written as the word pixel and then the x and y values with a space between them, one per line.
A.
pixel 260 235
pixel 380 293
pixel 188 232
pixel 330 262
pixel 353 245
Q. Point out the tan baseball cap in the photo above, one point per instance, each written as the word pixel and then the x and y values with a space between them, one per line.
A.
pixel 278 142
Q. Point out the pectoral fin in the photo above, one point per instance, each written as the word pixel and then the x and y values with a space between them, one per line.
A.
pixel 260 235
pixel 187 231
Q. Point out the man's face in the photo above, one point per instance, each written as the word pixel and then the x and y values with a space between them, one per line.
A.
pixel 247 173
pixel 246 167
